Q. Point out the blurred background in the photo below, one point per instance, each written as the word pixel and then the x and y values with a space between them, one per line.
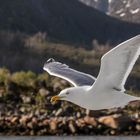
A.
pixel 75 32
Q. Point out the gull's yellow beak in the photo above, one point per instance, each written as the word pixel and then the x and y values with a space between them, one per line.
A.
pixel 55 98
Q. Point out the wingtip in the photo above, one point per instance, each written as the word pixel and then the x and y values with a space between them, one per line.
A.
pixel 50 60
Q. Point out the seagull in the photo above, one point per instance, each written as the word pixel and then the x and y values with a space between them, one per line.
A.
pixel 107 90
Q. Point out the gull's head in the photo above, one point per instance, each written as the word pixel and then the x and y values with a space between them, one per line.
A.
pixel 65 94
pixel 75 95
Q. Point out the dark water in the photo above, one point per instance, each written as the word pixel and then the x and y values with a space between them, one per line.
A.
pixel 71 138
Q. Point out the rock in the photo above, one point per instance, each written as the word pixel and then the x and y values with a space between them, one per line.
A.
pixel 53 125
pixel 80 122
pixel 138 127
pixel 68 111
pixel 23 120
pixel 78 114
pixel 8 118
pixel 11 86
pixel 41 83
pixel 117 122
pixel 22 109
pixel 134 104
pixel 26 99
pixel 125 122
pixel 135 116
pixel 56 87
pixel 108 121
pixel 112 132
pixel 90 120
pixel 58 112
pixel 72 127
pixel 2 105
pixel 45 122
pixel 2 91
pixel 43 92
pixel 14 119
pixel 64 83
pixel 34 120
pixel 64 120
pixel 30 125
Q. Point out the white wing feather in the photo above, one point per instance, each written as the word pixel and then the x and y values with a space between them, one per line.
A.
pixel 63 71
pixel 117 64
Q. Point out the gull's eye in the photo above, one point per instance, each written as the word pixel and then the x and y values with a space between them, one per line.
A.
pixel 67 93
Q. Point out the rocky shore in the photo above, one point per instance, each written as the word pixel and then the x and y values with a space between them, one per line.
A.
pixel 25 109
pixel 40 123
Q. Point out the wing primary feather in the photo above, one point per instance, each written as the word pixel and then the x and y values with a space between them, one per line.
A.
pixel 117 64
pixel 63 71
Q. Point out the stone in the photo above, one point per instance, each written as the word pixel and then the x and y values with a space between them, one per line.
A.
pixel 53 125
pixel 117 121
pixel 134 104
pixel 58 112
pixel 43 92
pixel 125 122
pixel 24 119
pixel 138 127
pixel 14 119
pixel 56 87
pixel 34 120
pixel 72 127
pixel 30 125
pixel 45 122
pixel 108 121
pixel 78 114
pixel 80 122
pixel 26 99
pixel 90 120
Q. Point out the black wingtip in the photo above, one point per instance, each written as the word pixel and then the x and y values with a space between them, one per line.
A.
pixel 50 60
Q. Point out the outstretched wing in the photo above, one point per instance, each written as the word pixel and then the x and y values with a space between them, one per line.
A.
pixel 117 64
pixel 63 71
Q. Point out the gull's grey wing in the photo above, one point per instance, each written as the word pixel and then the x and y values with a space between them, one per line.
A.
pixel 117 64
pixel 63 71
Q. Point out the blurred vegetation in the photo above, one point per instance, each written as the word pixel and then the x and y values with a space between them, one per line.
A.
pixel 24 78
pixel 20 51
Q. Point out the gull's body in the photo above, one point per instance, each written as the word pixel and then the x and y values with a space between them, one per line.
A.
pixel 107 91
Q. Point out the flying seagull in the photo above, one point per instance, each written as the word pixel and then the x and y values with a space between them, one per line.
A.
pixel 107 90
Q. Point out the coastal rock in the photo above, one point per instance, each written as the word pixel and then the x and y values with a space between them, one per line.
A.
pixel 56 87
pixel 45 122
pixel 117 121
pixel 26 99
pixel 14 119
pixel 125 122
pixel 68 111
pixel 23 120
pixel 72 126
pixel 138 127
pixel 43 92
pixel 58 112
pixel 108 121
pixel 34 120
pixel 90 120
pixel 134 104
pixel 53 125
pixel 80 122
